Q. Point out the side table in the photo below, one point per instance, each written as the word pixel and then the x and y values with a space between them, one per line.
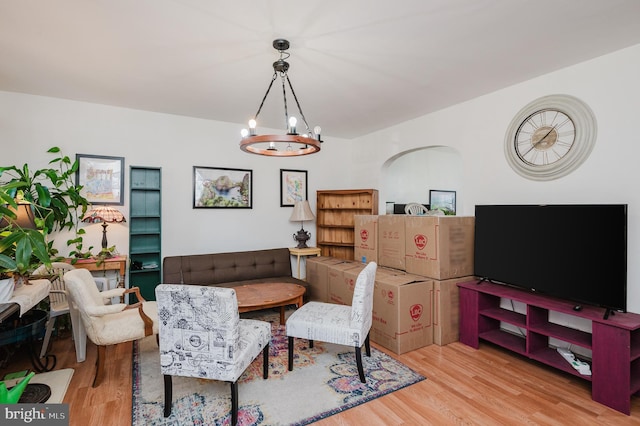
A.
pixel 116 263
pixel 308 251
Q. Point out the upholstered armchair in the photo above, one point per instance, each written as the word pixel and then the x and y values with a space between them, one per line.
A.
pixel 109 324
pixel 59 305
pixel 202 335
pixel 338 324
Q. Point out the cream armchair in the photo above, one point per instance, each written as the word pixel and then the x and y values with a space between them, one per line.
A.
pixel 59 305
pixel 109 324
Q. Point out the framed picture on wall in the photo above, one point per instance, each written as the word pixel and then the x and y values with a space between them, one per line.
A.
pixel 443 200
pixel 102 178
pixel 293 187
pixel 217 187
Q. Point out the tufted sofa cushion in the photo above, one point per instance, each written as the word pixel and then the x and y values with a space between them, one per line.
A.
pixel 231 269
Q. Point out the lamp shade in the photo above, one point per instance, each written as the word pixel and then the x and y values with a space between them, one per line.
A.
pixel 24 217
pixel 103 214
pixel 301 212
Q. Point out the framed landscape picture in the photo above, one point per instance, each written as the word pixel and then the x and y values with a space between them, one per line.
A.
pixel 217 187
pixel 293 187
pixel 443 200
pixel 102 178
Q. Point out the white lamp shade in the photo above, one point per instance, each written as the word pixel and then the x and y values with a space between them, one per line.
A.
pixel 301 212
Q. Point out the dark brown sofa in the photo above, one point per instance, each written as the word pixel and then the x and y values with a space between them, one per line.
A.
pixel 231 269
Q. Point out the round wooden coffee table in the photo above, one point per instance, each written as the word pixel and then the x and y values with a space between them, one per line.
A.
pixel 255 297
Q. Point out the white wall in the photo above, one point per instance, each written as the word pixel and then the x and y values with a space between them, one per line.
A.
pixel 30 125
pixel 476 129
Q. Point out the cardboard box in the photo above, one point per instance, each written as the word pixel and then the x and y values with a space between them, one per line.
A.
pixel 402 312
pixel 439 247
pixel 391 241
pixel 351 276
pixel 366 238
pixel 339 286
pixel 446 310
pixel 318 276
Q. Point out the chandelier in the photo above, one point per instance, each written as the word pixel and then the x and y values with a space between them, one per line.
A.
pixel 286 145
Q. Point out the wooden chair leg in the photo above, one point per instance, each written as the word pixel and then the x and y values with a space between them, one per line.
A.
pixel 168 395
pixel 311 344
pixel 359 364
pixel 99 365
pixel 265 362
pixel 367 345
pixel 290 353
pixel 234 403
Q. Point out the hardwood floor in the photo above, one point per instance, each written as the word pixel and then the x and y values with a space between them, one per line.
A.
pixel 464 386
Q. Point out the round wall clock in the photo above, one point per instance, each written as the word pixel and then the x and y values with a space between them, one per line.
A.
pixel 550 137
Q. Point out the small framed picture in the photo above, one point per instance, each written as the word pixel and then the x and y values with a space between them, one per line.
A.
pixel 443 200
pixel 102 178
pixel 217 187
pixel 293 187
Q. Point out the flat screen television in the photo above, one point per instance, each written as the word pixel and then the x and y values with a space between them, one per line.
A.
pixel 576 252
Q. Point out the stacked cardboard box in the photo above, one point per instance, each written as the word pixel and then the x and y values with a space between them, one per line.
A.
pixel 402 312
pixel 318 276
pixel 391 241
pixel 441 248
pixel 366 238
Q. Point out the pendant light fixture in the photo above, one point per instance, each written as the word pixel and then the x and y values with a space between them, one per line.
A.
pixel 291 143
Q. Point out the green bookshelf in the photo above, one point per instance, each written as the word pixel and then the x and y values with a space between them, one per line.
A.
pixel 145 237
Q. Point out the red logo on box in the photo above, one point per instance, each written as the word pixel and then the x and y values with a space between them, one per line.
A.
pixel 421 241
pixel 364 234
pixel 416 312
pixel 390 295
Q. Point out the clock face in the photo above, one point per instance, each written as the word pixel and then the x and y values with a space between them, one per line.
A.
pixel 550 137
pixel 546 136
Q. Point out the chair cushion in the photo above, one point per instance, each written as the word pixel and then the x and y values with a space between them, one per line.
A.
pixel 326 322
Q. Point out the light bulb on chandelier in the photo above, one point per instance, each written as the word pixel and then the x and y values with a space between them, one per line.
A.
pixel 295 144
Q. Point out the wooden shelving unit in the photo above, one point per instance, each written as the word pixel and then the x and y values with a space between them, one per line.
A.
pixel 614 342
pixel 335 223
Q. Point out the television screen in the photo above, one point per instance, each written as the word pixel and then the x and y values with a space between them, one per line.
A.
pixel 574 252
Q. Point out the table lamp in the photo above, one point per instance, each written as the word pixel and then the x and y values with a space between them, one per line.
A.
pixel 301 212
pixel 104 215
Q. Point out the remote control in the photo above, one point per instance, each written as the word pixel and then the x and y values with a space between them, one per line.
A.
pixel 582 367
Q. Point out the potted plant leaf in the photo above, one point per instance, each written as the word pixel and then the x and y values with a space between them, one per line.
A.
pixel 22 249
pixel 55 203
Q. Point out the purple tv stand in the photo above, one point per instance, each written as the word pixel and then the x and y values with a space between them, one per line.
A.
pixel 614 342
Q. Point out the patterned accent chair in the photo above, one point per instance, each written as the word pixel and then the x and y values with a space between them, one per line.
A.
pixel 202 335
pixel 338 324
pixel 107 324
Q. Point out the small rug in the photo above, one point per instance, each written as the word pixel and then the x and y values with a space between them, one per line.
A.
pixel 324 382
pixel 57 380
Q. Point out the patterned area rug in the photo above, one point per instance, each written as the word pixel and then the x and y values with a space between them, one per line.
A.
pixel 324 382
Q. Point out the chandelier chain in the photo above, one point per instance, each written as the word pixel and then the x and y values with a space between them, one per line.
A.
pixel 293 92
pixel 273 78
pixel 284 95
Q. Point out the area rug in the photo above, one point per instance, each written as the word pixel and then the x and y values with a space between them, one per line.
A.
pixel 324 382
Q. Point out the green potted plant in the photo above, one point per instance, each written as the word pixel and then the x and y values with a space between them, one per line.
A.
pixel 55 202
pixel 22 249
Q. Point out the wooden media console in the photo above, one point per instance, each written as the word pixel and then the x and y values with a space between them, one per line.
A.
pixel 614 342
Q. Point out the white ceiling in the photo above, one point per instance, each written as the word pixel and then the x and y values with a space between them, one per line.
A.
pixel 356 65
